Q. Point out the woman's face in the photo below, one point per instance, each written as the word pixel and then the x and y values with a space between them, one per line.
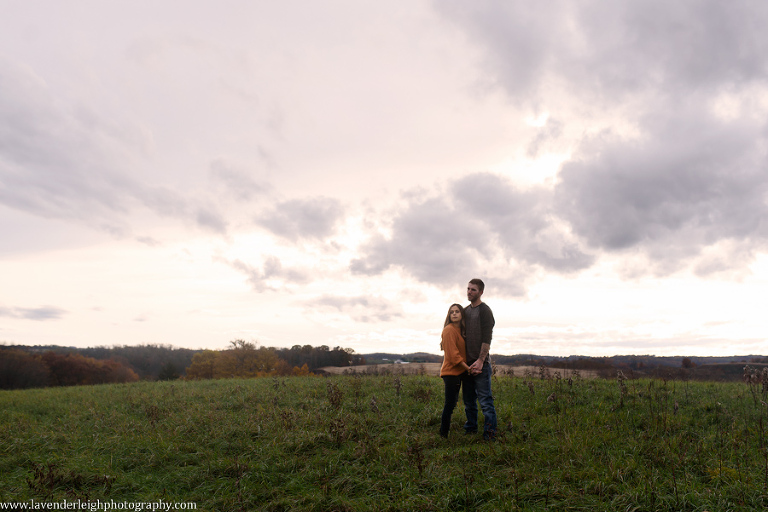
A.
pixel 455 315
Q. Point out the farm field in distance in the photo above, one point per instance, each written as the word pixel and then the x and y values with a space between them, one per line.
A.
pixel 433 369
pixel 370 442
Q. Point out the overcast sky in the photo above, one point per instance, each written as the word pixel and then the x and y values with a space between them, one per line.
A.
pixel 333 173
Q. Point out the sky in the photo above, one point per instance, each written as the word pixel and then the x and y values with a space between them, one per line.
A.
pixel 333 173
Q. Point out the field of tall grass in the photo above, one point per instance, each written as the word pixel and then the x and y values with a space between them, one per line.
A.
pixel 365 442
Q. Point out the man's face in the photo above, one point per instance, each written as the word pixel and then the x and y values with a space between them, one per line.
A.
pixel 473 292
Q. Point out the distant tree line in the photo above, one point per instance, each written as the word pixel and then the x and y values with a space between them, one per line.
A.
pixel 26 367
pixel 318 357
pixel 242 359
pixel 245 359
pixel 20 369
pixel 149 362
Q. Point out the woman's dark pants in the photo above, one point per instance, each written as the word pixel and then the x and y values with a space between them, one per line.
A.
pixel 452 387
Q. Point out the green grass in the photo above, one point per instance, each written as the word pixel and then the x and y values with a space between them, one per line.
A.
pixel 355 443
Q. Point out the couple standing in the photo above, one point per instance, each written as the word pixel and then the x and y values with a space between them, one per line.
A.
pixel 466 341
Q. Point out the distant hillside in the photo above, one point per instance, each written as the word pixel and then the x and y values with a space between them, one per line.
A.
pixel 722 368
pixel 38 366
pixel 161 362
pixel 416 357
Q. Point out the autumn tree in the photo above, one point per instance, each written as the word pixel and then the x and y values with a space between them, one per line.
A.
pixel 20 370
pixel 75 369
pixel 300 372
pixel 242 359
pixel 203 365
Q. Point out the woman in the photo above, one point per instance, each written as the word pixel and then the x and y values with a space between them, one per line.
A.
pixel 454 362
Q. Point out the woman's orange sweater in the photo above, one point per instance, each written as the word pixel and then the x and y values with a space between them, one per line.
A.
pixel 455 351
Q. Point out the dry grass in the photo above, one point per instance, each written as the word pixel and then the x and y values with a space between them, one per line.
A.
pixel 433 369
pixel 390 368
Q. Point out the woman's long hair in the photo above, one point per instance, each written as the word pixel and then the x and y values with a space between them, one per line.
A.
pixel 448 316
pixel 462 323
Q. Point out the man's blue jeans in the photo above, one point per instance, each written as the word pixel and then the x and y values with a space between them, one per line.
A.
pixel 478 389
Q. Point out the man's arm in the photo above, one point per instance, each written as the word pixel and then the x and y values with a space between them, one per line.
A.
pixel 477 366
pixel 486 333
pixel 486 324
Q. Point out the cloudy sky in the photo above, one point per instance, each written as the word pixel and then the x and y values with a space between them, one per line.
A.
pixel 333 173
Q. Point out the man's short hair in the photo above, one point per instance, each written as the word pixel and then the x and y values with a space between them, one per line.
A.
pixel 480 284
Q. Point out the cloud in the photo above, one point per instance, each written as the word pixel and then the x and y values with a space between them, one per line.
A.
pixel 482 219
pixel 668 105
pixel 609 52
pixel 148 240
pixel 313 218
pixel 692 191
pixel 237 182
pixel 52 157
pixel 360 308
pixel 431 240
pixel 521 221
pixel 690 181
pixel 272 275
pixel 40 313
pixel 689 46
pixel 550 133
pixel 65 160
pixel 211 220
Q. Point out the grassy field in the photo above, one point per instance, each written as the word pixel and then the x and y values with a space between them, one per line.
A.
pixel 370 443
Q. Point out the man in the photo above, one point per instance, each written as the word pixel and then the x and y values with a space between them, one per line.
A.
pixel 477 385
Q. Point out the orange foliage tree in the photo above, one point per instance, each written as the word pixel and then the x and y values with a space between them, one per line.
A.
pixel 74 369
pixel 241 359
pixel 203 365
pixel 300 372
